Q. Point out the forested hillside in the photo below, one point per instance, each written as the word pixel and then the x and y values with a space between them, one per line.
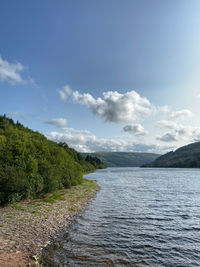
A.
pixel 124 159
pixel 184 157
pixel 31 164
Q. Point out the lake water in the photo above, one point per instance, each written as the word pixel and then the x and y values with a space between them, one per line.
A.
pixel 140 217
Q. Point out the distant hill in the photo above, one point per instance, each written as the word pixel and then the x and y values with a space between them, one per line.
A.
pixel 124 159
pixel 184 157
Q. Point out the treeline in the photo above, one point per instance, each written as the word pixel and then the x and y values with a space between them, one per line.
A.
pixel 30 164
pixel 87 163
pixel 123 159
pixel 184 157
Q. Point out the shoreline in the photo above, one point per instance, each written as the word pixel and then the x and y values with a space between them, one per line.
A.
pixel 27 227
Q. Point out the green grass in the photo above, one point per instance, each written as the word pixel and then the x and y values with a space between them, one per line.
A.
pixel 49 200
pixel 62 192
pixel 36 212
pixel 18 207
pixel 27 220
pixel 35 203
pixel 44 205
pixel 58 197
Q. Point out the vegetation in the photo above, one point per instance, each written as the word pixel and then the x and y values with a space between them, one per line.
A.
pixel 87 163
pixel 123 159
pixel 184 157
pixel 30 164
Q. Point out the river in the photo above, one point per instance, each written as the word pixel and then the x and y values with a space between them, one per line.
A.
pixel 140 217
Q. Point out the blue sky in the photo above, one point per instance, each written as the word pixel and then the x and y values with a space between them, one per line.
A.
pixel 59 59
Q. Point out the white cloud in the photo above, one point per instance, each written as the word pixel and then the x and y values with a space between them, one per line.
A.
pixel 163 109
pixel 59 122
pixel 130 108
pixel 135 129
pixel 113 106
pixel 166 124
pixel 65 92
pixel 181 114
pixel 168 137
pixel 178 131
pixel 85 141
pixel 10 72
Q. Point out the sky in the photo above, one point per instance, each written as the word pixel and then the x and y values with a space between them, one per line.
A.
pixel 103 75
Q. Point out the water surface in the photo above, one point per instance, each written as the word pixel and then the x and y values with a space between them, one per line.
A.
pixel 140 217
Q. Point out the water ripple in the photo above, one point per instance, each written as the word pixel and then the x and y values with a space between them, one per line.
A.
pixel 140 217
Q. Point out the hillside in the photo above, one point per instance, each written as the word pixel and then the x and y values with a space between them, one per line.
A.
pixel 30 164
pixel 124 159
pixel 184 157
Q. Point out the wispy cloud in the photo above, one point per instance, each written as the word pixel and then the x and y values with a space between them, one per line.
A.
pixel 10 72
pixel 178 132
pixel 59 122
pixel 166 124
pixel 163 109
pixel 181 114
pixel 64 92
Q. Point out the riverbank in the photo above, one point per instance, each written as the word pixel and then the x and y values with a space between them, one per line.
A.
pixel 27 226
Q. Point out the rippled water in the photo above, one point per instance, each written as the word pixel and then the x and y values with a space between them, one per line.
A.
pixel 140 217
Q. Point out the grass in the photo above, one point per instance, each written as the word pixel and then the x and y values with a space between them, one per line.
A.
pixel 18 207
pixel 58 197
pixel 36 212
pixel 27 220
pixel 45 205
pixel 35 203
pixel 49 200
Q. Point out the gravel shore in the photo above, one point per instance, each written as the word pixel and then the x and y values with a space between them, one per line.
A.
pixel 27 226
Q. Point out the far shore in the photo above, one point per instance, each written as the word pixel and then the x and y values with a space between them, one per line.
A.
pixel 26 227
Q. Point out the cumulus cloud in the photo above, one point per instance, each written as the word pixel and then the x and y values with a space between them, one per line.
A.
pixel 113 106
pixel 59 122
pixel 181 114
pixel 135 129
pixel 10 72
pixel 85 141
